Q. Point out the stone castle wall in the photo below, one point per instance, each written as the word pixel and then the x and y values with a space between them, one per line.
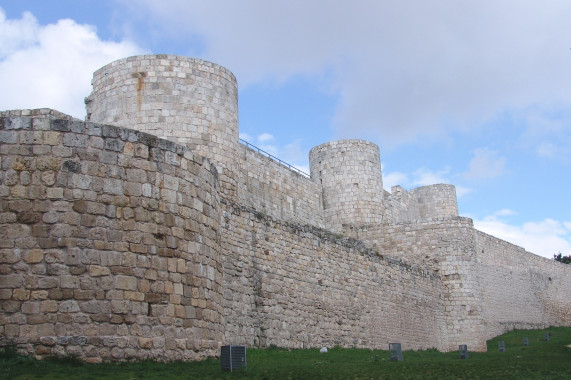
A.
pixel 296 286
pixel 444 246
pixel 401 206
pixel 277 191
pixel 109 242
pixel 118 244
pixel 520 289
pixel 490 285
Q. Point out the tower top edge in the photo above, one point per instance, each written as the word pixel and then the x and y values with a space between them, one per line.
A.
pixel 343 143
pixel 171 58
pixel 433 186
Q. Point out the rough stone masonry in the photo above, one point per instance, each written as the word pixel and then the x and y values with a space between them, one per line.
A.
pixel 149 231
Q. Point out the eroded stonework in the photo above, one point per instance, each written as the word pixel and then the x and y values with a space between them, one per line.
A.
pixel 150 231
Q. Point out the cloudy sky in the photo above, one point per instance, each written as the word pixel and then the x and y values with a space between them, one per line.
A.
pixel 472 93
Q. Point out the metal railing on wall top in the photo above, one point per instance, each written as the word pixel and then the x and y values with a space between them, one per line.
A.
pixel 274 158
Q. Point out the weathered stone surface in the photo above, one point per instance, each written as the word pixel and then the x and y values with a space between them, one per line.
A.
pixel 117 244
pixel 27 217
pixel 97 271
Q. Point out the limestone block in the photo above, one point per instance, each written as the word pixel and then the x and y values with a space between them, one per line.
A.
pixel 38 294
pixel 11 280
pixel 9 256
pixel 54 192
pixel 21 294
pixel 120 307
pixel 71 282
pixel 69 306
pixel 48 306
pixel 134 296
pixel 126 282
pixel 145 343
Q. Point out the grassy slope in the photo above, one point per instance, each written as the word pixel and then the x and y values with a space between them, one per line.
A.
pixel 539 360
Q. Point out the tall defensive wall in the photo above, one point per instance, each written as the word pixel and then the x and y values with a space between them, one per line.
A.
pixel 149 231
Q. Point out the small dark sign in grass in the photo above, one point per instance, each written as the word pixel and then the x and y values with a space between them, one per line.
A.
pixel 540 360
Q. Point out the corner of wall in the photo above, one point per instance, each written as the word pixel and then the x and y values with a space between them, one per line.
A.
pixel 108 235
pixel 462 304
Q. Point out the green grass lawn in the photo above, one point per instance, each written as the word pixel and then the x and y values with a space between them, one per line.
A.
pixel 539 360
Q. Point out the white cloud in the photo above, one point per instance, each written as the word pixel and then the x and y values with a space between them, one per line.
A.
pixel 505 212
pixel 547 133
pixel 393 179
pixel 265 137
pixel 271 149
pixel 303 168
pixel 17 34
pixel 262 141
pixel 545 238
pixel 422 177
pixel 546 149
pixel 246 137
pixel 425 177
pixel 52 65
pixel 485 164
pixel 462 190
pixel 401 68
pixel 292 153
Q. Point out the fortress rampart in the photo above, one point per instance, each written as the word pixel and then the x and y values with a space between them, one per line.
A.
pixel 276 190
pixel 509 277
pixel 163 237
pixel 110 242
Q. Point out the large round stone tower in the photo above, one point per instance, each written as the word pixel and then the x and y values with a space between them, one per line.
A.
pixel 350 174
pixel 186 100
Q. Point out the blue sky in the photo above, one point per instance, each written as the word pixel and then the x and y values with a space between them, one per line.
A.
pixel 475 94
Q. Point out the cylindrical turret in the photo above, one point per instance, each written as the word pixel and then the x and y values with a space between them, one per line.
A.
pixel 350 174
pixel 186 100
pixel 436 201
